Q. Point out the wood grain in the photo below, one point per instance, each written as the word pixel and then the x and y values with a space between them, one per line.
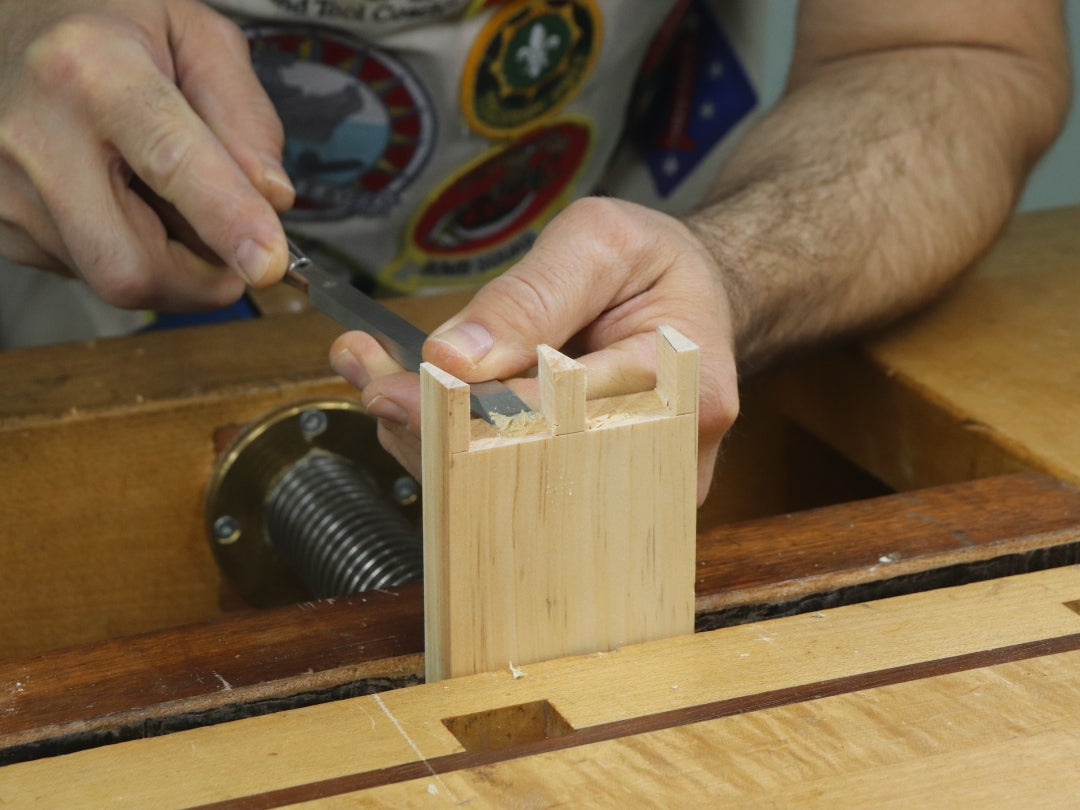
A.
pixel 870 549
pixel 562 391
pixel 951 740
pixel 668 721
pixel 105 449
pixel 922 651
pixel 983 383
pixel 572 536
pixel 294 656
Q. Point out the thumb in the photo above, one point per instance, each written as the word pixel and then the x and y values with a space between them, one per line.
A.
pixel 560 286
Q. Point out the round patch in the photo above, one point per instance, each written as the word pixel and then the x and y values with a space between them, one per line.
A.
pixel 528 61
pixel 476 6
pixel 359 127
pixel 371 15
pixel 485 217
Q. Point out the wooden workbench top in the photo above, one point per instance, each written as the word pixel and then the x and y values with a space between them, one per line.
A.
pixel 968 695
pixel 105 449
pixel 986 381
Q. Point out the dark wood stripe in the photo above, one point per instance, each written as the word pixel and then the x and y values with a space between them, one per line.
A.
pixel 289 657
pixel 650 723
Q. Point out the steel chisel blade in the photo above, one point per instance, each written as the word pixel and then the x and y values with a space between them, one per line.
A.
pixel 404 342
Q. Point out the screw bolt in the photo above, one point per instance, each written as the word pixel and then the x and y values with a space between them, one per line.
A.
pixel 226 530
pixel 312 423
pixel 406 490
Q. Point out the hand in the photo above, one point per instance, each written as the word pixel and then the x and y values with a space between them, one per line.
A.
pixel 138 151
pixel 601 278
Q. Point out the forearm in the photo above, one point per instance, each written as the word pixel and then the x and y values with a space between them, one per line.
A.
pixel 875 181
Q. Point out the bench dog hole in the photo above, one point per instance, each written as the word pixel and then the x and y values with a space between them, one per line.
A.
pixel 508 726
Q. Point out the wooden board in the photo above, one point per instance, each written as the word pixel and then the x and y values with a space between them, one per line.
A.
pixel 985 382
pixel 294 656
pixel 106 447
pixel 59 466
pixel 105 450
pixel 971 691
pixel 567 530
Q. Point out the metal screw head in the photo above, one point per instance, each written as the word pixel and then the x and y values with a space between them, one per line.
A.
pixel 312 423
pixel 226 530
pixel 406 490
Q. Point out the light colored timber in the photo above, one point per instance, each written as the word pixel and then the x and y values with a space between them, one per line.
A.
pixel 984 382
pixel 105 447
pixel 559 535
pixel 1000 736
pixel 1005 731
pixel 562 391
pixel 105 451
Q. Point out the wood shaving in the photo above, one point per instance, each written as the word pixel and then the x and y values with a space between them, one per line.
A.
pixel 520 424
pixel 605 419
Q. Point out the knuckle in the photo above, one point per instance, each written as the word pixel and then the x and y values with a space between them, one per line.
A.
pixel 19 248
pixel 227 291
pixel 230 34
pixel 167 156
pixel 12 139
pixel 598 210
pixel 529 299
pixel 121 283
pixel 609 222
pixel 59 57
pixel 127 294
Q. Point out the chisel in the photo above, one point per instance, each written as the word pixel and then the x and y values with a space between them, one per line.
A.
pixel 354 310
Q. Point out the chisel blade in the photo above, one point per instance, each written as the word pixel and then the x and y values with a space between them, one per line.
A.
pixel 404 342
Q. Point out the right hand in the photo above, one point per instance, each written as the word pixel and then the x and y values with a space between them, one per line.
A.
pixel 602 276
pixel 138 151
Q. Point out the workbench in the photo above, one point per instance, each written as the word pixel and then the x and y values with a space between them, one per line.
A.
pixel 887 590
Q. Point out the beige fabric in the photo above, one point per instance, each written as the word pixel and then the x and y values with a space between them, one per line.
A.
pixel 38 308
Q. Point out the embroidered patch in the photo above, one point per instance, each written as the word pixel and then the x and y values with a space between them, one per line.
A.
pixel 696 91
pixel 476 6
pixel 382 13
pixel 485 217
pixel 528 61
pixel 359 127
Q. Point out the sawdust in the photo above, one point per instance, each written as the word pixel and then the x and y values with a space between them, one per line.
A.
pixel 521 424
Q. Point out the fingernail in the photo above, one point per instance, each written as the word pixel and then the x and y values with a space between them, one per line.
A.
pixel 468 339
pixel 253 261
pixel 383 408
pixel 346 364
pixel 276 176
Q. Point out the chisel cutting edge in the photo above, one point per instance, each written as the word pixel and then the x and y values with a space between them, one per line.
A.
pixel 354 310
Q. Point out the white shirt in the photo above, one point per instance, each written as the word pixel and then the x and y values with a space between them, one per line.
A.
pixel 431 140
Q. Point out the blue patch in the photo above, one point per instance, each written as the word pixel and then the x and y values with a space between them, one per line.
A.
pixel 359 126
pixel 241 310
pixel 697 92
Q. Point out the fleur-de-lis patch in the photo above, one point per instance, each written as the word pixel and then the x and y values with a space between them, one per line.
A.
pixel 535 54
pixel 529 60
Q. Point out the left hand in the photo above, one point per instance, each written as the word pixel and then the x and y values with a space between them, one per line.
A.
pixel 601 278
pixel 139 152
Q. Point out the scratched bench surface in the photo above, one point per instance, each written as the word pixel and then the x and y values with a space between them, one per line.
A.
pixel 315 652
pixel 932 697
